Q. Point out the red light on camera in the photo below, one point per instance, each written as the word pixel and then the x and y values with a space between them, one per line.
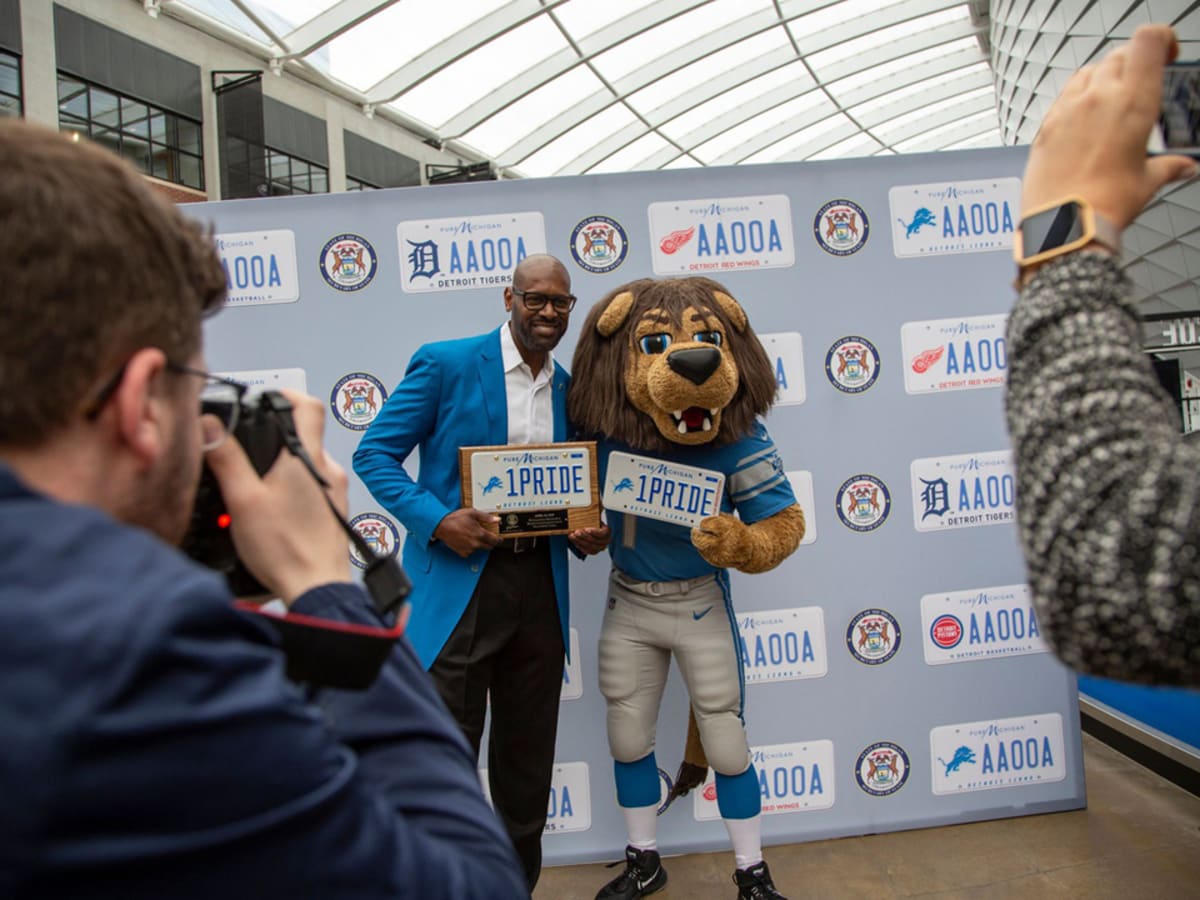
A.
pixel 223 520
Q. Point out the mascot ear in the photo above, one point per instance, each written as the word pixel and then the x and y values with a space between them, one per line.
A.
pixel 733 309
pixel 615 314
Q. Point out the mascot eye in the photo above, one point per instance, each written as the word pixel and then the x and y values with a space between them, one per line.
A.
pixel 708 337
pixel 655 343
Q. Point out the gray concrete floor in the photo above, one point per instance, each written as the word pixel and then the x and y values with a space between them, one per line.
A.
pixel 1139 839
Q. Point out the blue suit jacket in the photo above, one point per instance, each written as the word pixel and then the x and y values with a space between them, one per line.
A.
pixel 452 396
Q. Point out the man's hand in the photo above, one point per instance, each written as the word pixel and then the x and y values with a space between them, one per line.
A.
pixel 1092 141
pixel 464 531
pixel 591 540
pixel 283 530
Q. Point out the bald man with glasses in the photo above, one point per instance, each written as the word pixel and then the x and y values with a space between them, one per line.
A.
pixel 489 616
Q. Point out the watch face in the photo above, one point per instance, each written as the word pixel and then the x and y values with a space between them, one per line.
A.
pixel 1051 229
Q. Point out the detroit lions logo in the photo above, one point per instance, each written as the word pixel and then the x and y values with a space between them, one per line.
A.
pixel 625 484
pixel 494 484
pixel 963 754
pixel 921 218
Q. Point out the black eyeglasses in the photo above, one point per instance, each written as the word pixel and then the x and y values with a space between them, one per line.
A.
pixel 220 397
pixel 534 301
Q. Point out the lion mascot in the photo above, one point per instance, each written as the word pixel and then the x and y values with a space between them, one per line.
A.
pixel 670 369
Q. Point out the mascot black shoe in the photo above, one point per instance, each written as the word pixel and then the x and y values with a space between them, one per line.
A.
pixel 670 370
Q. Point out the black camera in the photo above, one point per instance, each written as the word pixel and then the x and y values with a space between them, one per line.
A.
pixel 316 652
pixel 260 429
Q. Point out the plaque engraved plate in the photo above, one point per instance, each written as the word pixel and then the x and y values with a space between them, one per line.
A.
pixel 535 489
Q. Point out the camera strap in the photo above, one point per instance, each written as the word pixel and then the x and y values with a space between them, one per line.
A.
pixel 383 576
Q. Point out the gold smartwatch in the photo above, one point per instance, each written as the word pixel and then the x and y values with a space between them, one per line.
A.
pixel 1066 225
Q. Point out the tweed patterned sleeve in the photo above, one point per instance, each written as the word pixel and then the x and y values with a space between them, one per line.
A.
pixel 1108 494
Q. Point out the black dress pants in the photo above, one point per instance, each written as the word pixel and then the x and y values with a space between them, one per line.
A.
pixel 508 644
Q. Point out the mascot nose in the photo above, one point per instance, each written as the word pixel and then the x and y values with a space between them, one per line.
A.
pixel 695 364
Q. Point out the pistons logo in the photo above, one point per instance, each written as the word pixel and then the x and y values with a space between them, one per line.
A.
pixel 863 502
pixel 873 636
pixel 841 227
pixel 356 400
pixel 348 262
pixel 599 244
pixel 380 533
pixel 882 769
pixel 946 631
pixel 852 364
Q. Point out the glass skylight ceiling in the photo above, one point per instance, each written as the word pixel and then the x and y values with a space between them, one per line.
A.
pixel 553 87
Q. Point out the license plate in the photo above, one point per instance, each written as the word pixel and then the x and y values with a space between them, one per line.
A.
pixel 666 491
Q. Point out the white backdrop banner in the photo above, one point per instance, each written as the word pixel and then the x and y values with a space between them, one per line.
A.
pixel 896 677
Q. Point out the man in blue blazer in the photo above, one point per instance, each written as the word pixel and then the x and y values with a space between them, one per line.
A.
pixel 489 616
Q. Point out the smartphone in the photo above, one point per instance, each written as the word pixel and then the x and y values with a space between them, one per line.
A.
pixel 1178 126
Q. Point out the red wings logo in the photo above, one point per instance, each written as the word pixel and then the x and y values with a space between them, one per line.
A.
pixel 675 240
pixel 926 358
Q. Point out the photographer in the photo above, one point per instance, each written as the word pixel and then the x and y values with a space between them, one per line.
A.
pixel 1108 491
pixel 152 745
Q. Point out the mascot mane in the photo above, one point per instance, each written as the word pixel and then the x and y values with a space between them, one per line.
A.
pixel 598 401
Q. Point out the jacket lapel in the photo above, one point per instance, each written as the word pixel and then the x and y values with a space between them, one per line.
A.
pixel 559 402
pixel 491 388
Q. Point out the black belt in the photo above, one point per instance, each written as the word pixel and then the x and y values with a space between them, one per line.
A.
pixel 519 544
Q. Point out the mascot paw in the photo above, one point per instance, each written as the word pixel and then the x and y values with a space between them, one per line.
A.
pixel 723 541
pixel 689 776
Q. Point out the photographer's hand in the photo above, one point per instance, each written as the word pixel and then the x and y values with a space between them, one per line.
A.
pixel 283 530
pixel 1092 141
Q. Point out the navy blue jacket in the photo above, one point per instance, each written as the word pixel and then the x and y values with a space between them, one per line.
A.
pixel 150 745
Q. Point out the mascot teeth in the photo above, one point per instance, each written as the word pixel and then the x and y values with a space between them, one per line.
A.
pixel 692 419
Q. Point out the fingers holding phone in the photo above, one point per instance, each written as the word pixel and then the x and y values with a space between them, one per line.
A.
pixel 1092 142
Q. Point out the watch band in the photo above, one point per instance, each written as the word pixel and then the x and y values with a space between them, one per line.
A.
pixel 1063 226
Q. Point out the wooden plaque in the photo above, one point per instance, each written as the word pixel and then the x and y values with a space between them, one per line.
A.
pixel 535 489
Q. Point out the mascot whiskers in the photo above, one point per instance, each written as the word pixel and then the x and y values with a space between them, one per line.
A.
pixel 671 370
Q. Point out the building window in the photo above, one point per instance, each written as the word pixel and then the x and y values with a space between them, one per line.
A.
pixel 159 143
pixel 292 175
pixel 10 85
pixel 353 184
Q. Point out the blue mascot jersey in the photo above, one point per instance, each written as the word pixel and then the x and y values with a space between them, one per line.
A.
pixel 755 486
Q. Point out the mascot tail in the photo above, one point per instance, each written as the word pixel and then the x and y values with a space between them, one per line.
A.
pixel 694 768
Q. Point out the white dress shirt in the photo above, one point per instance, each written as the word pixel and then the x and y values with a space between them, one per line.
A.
pixel 530 406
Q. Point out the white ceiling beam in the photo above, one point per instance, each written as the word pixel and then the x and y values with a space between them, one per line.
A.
pixel 782 56
pixel 526 82
pixel 333 22
pixel 758 105
pixel 874 118
pixel 453 48
pixel 887 138
pixel 245 9
pixel 699 94
pixel 909 75
pixel 659 67
pixel 732 33
pixel 926 40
